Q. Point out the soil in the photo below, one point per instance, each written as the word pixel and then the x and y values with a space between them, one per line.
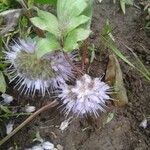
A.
pixel 123 131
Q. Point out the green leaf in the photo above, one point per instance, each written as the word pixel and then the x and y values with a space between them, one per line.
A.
pixel 88 12
pixel 50 2
pixel 5 109
pixel 116 51
pixel 68 13
pixel 77 21
pixel 106 32
pixel 30 3
pixel 109 42
pixel 46 45
pixel 123 4
pixel 2 83
pixel 74 37
pixel 66 9
pixel 46 21
pixel 6 2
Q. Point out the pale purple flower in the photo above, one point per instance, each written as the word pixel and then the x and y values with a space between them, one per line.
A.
pixel 87 96
pixel 64 71
pixel 33 74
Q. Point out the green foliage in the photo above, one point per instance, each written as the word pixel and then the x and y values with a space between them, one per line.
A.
pixel 50 2
pixel 147 8
pixel 7 113
pixel 88 12
pixel 109 42
pixel 70 27
pixel 66 9
pixel 6 2
pixel 75 22
pixel 148 26
pixel 123 4
pixel 46 45
pixel 74 37
pixel 5 109
pixel 30 3
pixel 92 51
pixel 47 21
pixel 4 5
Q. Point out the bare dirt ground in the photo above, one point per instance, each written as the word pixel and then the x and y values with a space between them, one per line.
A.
pixel 123 131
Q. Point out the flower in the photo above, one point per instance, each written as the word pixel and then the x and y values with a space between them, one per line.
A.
pixel 87 96
pixel 31 73
pixel 63 68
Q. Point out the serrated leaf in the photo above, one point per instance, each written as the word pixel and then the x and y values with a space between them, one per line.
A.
pixel 74 37
pixel 46 45
pixel 2 83
pixel 46 21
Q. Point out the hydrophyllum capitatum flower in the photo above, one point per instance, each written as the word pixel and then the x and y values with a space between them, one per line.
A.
pixel 33 74
pixel 63 65
pixel 87 96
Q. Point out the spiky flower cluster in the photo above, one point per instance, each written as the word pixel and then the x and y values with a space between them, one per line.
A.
pixel 51 72
pixel 33 74
pixel 87 96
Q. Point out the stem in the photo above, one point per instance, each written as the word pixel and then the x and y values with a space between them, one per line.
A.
pixel 84 55
pixel 44 108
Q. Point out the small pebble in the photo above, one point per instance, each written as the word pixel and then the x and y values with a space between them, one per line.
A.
pixel 9 127
pixel 7 98
pixel 37 147
pixel 59 147
pixel 47 145
pixel 143 124
pixel 29 109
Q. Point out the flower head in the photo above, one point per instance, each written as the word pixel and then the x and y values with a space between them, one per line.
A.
pixel 87 96
pixel 64 71
pixel 33 74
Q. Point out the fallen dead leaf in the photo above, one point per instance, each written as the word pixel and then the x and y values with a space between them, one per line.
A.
pixel 115 79
pixel 10 17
